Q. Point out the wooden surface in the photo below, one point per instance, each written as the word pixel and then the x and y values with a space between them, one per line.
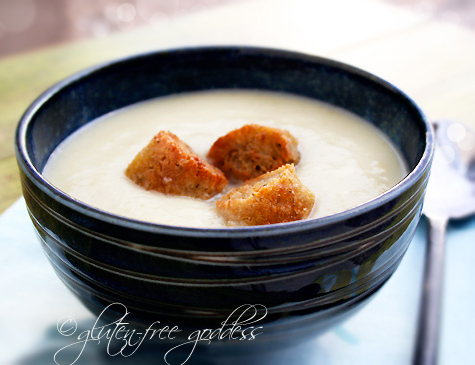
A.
pixel 430 59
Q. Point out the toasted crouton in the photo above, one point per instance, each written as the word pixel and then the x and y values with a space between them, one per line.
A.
pixel 168 165
pixel 253 150
pixel 275 197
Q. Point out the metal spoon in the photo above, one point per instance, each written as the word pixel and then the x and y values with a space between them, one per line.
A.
pixel 450 195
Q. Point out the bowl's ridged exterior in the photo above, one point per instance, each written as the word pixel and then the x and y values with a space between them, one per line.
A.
pixel 308 274
pixel 352 270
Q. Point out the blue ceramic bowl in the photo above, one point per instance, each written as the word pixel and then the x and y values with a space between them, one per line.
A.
pixel 309 274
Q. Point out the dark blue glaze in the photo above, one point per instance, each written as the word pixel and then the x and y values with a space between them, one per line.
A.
pixel 310 274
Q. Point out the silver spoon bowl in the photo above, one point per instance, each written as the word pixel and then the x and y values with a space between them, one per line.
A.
pixel 450 195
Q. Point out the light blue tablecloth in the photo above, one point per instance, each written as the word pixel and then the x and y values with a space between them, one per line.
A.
pixel 381 333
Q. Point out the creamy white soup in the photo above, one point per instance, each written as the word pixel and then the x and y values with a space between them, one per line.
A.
pixel 345 160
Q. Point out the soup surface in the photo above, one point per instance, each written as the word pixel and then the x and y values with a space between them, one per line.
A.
pixel 345 160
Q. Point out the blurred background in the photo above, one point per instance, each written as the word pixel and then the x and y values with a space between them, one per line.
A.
pixel 31 24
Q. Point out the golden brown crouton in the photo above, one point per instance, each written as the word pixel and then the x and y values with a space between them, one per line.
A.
pixel 275 197
pixel 168 165
pixel 253 150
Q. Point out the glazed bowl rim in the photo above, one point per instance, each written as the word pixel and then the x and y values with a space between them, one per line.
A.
pixel 26 164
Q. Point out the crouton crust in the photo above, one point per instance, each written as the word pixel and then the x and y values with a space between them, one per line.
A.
pixel 168 165
pixel 253 150
pixel 275 197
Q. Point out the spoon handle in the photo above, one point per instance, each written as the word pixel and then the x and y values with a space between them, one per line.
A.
pixel 429 317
